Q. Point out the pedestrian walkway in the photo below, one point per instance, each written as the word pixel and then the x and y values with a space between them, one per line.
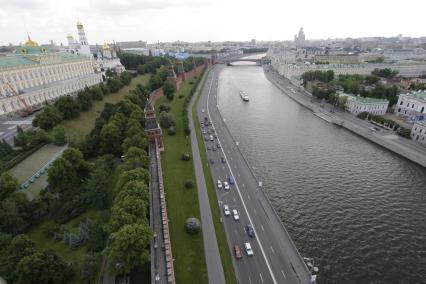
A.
pixel 211 249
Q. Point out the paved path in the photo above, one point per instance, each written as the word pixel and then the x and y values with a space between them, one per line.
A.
pixel 211 249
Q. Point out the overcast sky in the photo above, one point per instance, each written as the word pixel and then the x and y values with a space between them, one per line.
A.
pixel 202 20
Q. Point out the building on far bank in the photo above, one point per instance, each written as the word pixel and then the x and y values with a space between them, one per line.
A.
pixel 39 76
pixel 412 105
pixel 418 132
pixel 358 104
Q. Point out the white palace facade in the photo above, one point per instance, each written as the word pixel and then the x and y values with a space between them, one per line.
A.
pixel 38 76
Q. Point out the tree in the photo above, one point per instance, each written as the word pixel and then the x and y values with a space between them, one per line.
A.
pixel 48 118
pixel 97 183
pixel 189 184
pixel 98 235
pixel 135 189
pixel 43 267
pixel 97 93
pixel 114 84
pixel 137 140
pixel 186 157
pixel 111 139
pixel 62 175
pixel 19 247
pixel 128 210
pixel 136 158
pixel 192 225
pixel 58 135
pixel 171 131
pixel 125 78
pixel 169 90
pixel 8 184
pixel 138 174
pixel 128 247
pixel 68 107
pixel 166 120
pixel 84 100
pixel 155 82
pixel 89 267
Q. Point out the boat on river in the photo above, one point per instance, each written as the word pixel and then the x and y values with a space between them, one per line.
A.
pixel 244 96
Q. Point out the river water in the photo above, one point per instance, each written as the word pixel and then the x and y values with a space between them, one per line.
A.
pixel 355 207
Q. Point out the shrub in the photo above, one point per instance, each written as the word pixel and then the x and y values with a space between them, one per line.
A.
pixel 166 120
pixel 189 184
pixel 171 131
pixel 186 157
pixel 404 132
pixel 164 108
pixel 192 225
pixel 58 135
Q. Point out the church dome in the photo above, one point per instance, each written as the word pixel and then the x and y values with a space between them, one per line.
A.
pixel 30 43
pixel 105 46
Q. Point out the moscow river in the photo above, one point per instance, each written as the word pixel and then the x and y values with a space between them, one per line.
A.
pixel 355 207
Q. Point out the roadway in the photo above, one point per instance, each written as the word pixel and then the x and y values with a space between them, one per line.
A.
pixel 276 259
pixel 8 126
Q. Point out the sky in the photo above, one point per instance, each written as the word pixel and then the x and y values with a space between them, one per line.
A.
pixel 203 20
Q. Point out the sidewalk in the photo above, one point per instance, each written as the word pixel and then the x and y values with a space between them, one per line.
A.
pixel 211 249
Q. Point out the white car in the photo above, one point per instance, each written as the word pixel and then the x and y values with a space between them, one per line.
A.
pixel 235 214
pixel 248 248
pixel 219 184
pixel 226 185
pixel 226 210
pixel 202 110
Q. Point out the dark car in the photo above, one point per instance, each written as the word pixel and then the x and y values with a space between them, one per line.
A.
pixel 250 231
pixel 223 160
pixel 211 161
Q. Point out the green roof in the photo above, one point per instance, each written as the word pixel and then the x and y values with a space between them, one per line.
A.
pixel 418 94
pixel 15 60
pixel 367 100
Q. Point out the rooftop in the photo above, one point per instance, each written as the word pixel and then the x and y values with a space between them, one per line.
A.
pixel 421 123
pixel 151 123
pixel 417 94
pixel 32 58
pixel 367 100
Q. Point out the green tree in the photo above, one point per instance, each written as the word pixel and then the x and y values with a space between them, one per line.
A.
pixel 192 225
pixel 129 247
pixel 125 78
pixel 137 140
pixel 97 93
pixel 58 135
pixel 19 247
pixel 135 189
pixel 89 267
pixel 114 84
pixel 111 138
pixel 169 90
pixel 8 184
pixel 48 118
pixel 136 158
pixel 127 211
pixel 62 175
pixel 43 267
pixel 68 107
pixel 84 99
pixel 97 183
pixel 166 119
pixel 138 174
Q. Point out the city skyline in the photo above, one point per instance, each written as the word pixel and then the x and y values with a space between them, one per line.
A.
pixel 194 20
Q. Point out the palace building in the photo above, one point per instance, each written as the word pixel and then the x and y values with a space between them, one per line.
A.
pixel 33 75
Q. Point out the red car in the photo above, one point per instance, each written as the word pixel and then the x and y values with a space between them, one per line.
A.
pixel 237 252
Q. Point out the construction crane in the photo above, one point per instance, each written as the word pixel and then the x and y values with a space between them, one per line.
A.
pixel 28 109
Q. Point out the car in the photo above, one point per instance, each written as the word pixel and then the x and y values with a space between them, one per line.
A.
pixel 250 231
pixel 202 110
pixel 226 210
pixel 204 131
pixel 211 138
pixel 214 148
pixel 219 184
pixel 231 180
pixel 218 146
pixel 206 138
pixel 237 252
pixel 211 161
pixel 208 147
pixel 235 214
pixel 372 129
pixel 214 135
pixel 248 248
pixel 223 159
pixel 202 125
pixel 226 185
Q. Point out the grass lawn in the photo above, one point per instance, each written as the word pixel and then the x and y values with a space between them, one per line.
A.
pixel 182 203
pixel 76 129
pixel 224 249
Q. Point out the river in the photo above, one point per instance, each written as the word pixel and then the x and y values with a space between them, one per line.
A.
pixel 355 207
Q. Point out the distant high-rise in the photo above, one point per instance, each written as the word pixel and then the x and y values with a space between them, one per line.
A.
pixel 299 40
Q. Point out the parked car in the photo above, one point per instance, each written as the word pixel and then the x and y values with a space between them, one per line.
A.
pixel 202 110
pixel 214 148
pixel 204 131
pixel 208 147
pixel 248 248
pixel 231 180
pixel 211 161
pixel 226 210
pixel 223 160
pixel 206 138
pixel 226 185
pixel 235 214
pixel 219 184
pixel 250 231
pixel 237 252
pixel 218 145
pixel 211 138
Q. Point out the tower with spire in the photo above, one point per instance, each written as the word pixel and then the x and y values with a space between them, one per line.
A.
pixel 84 45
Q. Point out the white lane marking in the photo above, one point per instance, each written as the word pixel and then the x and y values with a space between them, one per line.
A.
pixel 254 211
pixel 248 196
pixel 233 197
pixel 244 185
pixel 241 198
pixel 272 249
pixel 249 279
pixel 283 274
pixel 261 278
pixel 263 229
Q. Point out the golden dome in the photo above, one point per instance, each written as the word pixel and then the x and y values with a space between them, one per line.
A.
pixel 79 23
pixel 30 43
pixel 105 46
